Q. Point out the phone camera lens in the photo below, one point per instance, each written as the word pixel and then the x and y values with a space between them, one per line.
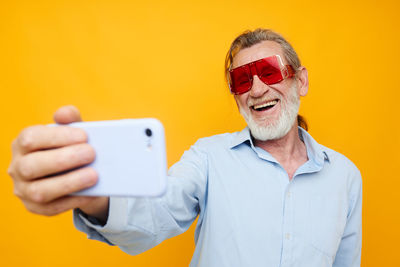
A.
pixel 149 132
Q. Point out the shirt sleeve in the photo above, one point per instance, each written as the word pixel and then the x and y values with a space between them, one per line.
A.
pixel 138 224
pixel 349 252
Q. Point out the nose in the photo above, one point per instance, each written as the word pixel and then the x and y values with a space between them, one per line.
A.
pixel 258 88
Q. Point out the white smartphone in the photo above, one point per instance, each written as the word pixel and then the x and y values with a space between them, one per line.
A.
pixel 130 157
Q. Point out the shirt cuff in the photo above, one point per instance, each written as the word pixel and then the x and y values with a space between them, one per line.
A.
pixel 116 222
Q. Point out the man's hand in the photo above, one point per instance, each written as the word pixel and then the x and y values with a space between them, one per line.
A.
pixel 44 164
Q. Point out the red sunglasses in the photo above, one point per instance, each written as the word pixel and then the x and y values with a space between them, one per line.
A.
pixel 270 70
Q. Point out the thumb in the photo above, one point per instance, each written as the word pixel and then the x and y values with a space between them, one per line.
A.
pixel 67 114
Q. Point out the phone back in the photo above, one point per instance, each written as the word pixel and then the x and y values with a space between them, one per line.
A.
pixel 130 157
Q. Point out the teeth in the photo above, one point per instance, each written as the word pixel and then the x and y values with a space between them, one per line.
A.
pixel 269 103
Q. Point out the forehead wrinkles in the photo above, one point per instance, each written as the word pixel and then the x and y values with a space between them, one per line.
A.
pixel 256 52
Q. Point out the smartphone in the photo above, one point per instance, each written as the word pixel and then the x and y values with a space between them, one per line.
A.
pixel 130 157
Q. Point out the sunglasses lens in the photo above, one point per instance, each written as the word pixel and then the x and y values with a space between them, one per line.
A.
pixel 240 80
pixel 268 70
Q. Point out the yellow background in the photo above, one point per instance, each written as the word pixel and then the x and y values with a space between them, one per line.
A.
pixel 164 59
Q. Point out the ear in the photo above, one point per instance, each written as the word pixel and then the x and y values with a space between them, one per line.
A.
pixel 302 80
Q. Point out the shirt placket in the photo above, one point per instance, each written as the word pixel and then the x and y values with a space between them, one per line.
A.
pixel 287 224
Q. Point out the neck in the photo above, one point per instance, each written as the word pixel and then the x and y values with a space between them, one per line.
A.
pixel 287 149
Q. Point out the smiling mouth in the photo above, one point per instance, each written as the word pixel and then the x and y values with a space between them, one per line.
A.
pixel 265 106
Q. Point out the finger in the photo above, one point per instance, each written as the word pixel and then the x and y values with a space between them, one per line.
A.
pixel 48 162
pixel 48 189
pixel 44 137
pixel 67 114
pixel 59 205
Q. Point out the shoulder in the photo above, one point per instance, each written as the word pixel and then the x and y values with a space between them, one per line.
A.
pixel 218 141
pixel 337 159
pixel 200 153
pixel 335 162
pixel 205 147
pixel 340 163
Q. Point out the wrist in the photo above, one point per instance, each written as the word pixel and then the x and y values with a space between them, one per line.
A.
pixel 97 208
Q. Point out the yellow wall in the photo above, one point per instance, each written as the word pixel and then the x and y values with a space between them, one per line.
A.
pixel 164 59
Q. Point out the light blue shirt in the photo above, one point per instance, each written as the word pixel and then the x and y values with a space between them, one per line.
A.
pixel 250 213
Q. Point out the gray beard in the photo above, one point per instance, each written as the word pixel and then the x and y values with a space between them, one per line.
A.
pixel 279 128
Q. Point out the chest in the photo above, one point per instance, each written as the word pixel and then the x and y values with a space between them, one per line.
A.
pixel 256 202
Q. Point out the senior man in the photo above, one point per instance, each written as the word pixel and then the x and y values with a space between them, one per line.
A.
pixel 269 195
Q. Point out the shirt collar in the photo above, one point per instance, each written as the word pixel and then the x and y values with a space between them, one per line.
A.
pixel 315 151
pixel 242 137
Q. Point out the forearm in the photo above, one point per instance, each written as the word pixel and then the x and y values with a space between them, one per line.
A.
pixel 135 225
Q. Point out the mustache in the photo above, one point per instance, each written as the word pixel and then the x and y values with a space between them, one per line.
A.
pixel 272 95
pixel 269 97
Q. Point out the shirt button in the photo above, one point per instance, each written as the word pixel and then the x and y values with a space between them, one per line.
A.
pixel 288 194
pixel 287 236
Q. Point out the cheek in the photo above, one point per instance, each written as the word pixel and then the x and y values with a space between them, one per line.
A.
pixel 283 89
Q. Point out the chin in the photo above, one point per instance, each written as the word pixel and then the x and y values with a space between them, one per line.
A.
pixel 276 129
pixel 272 131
